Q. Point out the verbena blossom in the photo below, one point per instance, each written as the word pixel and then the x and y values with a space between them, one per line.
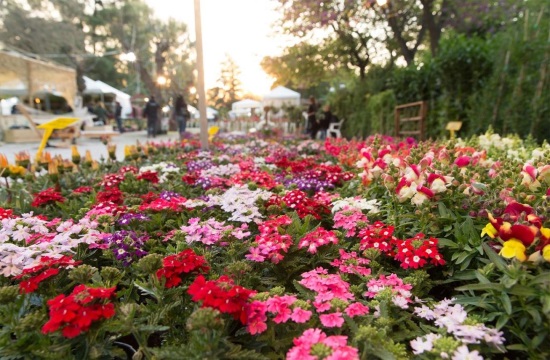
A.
pixel 75 313
pixel 240 202
pixel 208 232
pixel 452 318
pixel 400 291
pixel 317 238
pixel 23 241
pixel 48 196
pixel 221 294
pixel 270 244
pixel 48 267
pixel 349 219
pixel 128 218
pixel 163 170
pixel 127 245
pixel 315 344
pixel 351 263
pixel 185 262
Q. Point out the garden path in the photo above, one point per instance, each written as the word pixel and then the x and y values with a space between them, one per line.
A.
pixel 96 147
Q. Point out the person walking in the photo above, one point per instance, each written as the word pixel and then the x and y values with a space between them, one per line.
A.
pixel 313 124
pixel 118 117
pixel 181 114
pixel 151 112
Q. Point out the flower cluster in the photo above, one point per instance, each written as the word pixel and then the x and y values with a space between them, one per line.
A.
pixel 315 344
pixel 392 285
pixel 521 232
pixel 208 232
pixel 349 219
pixel 413 253
pixel 221 294
pixel 6 214
pixel 270 244
pixel 240 202
pixel 74 314
pixel 303 205
pixel 126 245
pixel 48 196
pixel 185 262
pixel 351 263
pixel 128 218
pixel 47 267
pixel 316 238
pixel 454 320
pixel 23 241
pixel 111 180
pixel 332 294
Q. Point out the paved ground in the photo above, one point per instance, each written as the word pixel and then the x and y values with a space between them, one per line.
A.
pixel 96 147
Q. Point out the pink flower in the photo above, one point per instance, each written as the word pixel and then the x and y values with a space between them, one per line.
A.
pixel 332 320
pixel 356 309
pixel 462 161
pixel 300 315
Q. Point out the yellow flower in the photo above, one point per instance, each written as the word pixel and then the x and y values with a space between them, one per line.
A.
pixel 16 170
pixel 212 131
pixel 489 230
pixel 514 248
pixel 545 232
pixel 546 253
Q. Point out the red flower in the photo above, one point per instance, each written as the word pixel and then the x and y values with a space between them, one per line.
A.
pixel 150 176
pixel 184 262
pixel 48 267
pixel 48 196
pixel 83 190
pixel 76 313
pixel 6 214
pixel 222 295
pixel 113 195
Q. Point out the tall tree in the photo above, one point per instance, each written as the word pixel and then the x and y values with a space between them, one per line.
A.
pixel 229 88
pixel 346 25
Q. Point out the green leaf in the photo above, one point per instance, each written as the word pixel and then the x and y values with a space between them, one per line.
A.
pixel 522 290
pixel 520 347
pixel 506 303
pixel 502 320
pixel 495 258
pixel 490 286
pixel 447 243
pixel 147 289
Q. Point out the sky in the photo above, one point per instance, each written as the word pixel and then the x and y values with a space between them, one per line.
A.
pixel 239 28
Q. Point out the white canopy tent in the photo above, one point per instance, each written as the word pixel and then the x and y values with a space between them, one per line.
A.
pixel 246 104
pixel 281 96
pixel 101 88
pixel 121 97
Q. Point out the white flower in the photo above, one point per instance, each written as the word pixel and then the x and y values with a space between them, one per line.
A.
pixel 463 353
pixel 424 343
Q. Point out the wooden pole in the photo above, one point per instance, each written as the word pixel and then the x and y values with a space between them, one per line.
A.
pixel 200 80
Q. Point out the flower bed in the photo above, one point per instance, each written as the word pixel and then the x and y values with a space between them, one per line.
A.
pixel 263 249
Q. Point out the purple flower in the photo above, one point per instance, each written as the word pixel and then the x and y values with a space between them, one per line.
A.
pixel 128 218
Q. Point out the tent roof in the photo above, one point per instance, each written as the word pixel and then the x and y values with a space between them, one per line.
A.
pixel 109 89
pixel 92 87
pixel 246 104
pixel 281 92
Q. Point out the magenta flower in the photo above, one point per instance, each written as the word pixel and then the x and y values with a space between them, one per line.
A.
pixel 300 315
pixel 332 320
pixel 356 309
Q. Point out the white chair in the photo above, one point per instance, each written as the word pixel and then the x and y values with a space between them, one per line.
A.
pixel 334 129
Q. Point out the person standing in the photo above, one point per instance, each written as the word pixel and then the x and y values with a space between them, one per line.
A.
pixel 325 122
pixel 181 114
pixel 151 112
pixel 118 117
pixel 101 114
pixel 312 117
